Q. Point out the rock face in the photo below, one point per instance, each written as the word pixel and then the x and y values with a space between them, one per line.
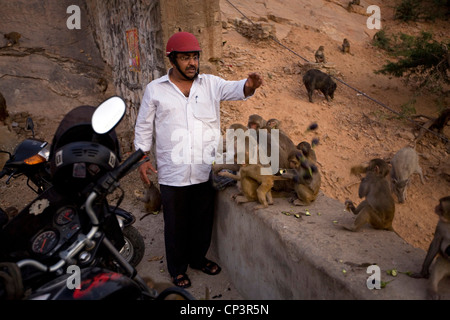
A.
pixel 52 68
pixel 72 53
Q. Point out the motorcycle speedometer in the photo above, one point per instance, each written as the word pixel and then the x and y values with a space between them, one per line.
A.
pixel 44 242
pixel 64 216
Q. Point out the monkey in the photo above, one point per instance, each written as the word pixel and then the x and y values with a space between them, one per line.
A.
pixel 102 84
pixel 308 151
pixel 13 38
pixel 378 208
pixel 160 287
pixel 284 140
pixel 285 145
pixel 151 199
pixel 306 177
pixel 345 46
pixel 254 185
pixel 273 124
pixel 376 165
pixel 3 110
pixel 235 126
pixel 320 55
pixel 440 247
pixel 351 3
pixel 256 122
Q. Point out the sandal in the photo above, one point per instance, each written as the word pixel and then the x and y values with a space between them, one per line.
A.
pixel 209 267
pixel 182 278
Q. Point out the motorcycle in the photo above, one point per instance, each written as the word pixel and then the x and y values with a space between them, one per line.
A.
pixel 65 244
pixel 31 159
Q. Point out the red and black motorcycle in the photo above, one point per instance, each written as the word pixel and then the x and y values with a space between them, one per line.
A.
pixel 66 243
pixel 31 159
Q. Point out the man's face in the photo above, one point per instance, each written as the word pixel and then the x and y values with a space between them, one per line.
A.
pixel 188 63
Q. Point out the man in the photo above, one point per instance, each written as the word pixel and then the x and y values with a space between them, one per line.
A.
pixel 182 109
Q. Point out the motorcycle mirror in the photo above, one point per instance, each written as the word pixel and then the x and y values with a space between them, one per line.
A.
pixel 30 125
pixel 108 114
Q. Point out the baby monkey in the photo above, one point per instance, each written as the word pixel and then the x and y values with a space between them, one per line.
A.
pixel 345 46
pixel 440 247
pixel 13 38
pixel 151 199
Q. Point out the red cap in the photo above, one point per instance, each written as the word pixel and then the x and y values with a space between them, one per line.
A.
pixel 182 42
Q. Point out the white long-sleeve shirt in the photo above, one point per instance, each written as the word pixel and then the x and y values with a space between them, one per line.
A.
pixel 186 129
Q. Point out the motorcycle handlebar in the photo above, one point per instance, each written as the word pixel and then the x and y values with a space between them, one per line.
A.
pixel 106 183
pixel 122 169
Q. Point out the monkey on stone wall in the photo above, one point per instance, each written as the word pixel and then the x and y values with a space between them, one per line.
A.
pixel 378 207
pixel 13 38
pixel 440 247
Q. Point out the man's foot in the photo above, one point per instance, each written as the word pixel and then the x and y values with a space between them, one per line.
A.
pixel 209 267
pixel 182 281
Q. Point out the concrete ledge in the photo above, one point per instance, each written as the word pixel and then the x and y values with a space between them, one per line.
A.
pixel 270 255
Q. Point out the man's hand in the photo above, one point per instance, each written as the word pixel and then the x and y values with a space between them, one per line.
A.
pixel 254 81
pixel 144 170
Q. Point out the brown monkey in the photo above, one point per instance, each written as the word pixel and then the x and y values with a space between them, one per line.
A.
pixel 102 84
pixel 284 141
pixel 440 247
pixel 307 150
pixel 345 46
pixel 236 126
pixel 306 177
pixel 376 165
pixel 320 55
pixel 13 38
pixel 285 146
pixel 378 208
pixel 151 199
pixel 254 185
pixel 3 111
pixel 160 287
pixel 256 122
pixel 273 124
pixel 233 126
